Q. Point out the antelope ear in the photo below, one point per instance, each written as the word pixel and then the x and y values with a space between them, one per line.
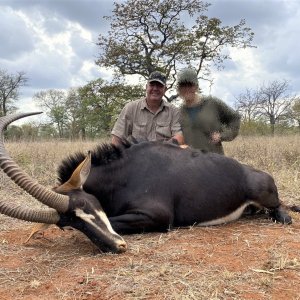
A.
pixel 78 177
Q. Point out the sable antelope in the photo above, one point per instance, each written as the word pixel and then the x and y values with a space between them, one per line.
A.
pixel 149 186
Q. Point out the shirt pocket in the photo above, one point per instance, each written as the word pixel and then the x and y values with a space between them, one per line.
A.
pixel 139 130
pixel 163 130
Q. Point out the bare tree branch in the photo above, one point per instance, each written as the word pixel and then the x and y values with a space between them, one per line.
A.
pixel 153 35
pixel 9 90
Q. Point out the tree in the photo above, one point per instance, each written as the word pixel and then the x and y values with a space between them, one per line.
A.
pixel 13 133
pixel 76 114
pixel 25 131
pixel 271 103
pixel 296 111
pixel 102 102
pixel 87 111
pixel 30 131
pixel 9 90
pixel 247 104
pixel 154 34
pixel 54 103
pixel 274 102
pixel 47 131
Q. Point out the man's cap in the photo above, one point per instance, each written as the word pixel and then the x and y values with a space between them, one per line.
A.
pixel 158 76
pixel 187 76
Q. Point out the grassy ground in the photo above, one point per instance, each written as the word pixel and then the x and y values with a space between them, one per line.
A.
pixel 279 156
pixel 248 259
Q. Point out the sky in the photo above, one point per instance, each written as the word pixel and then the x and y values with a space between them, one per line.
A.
pixel 54 43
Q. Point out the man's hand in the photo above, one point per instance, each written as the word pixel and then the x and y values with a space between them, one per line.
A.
pixel 215 137
pixel 184 146
pixel 179 138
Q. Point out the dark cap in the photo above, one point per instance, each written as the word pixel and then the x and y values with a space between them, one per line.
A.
pixel 158 76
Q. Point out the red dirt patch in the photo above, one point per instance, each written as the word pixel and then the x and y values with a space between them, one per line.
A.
pixel 249 259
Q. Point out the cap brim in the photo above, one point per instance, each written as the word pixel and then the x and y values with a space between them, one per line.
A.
pixel 157 80
pixel 187 82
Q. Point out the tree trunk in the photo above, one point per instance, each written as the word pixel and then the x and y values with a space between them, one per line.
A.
pixel 272 122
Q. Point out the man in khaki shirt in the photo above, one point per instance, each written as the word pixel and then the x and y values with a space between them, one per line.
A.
pixel 149 118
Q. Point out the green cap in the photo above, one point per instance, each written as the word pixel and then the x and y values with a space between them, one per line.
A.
pixel 187 76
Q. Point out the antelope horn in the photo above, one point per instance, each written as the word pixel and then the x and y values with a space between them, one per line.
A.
pixel 48 216
pixel 48 197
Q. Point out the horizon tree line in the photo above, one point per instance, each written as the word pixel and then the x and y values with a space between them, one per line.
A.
pixel 162 34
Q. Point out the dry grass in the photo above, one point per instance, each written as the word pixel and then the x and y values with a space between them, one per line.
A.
pixel 248 259
pixel 279 156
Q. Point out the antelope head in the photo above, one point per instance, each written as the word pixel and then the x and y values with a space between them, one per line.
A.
pixel 67 205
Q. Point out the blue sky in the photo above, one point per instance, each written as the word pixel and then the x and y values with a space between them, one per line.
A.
pixel 54 43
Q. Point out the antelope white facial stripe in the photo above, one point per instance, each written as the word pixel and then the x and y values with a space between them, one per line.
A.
pixel 87 217
pixel 104 218
pixel 90 219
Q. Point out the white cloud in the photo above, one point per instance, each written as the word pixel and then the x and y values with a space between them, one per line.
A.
pixel 59 56
pixel 276 26
pixel 15 37
pixel 54 42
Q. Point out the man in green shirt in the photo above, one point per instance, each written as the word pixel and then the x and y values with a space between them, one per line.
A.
pixel 206 121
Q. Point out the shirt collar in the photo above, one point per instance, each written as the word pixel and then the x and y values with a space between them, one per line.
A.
pixel 199 104
pixel 162 104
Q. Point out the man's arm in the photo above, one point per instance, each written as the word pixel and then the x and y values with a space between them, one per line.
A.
pixel 230 122
pixel 123 126
pixel 176 127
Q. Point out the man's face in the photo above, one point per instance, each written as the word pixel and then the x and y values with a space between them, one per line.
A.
pixel 155 91
pixel 187 92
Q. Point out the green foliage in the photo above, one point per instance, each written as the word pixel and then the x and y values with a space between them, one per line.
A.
pixel 30 131
pixel 249 128
pixel 47 131
pixel 53 102
pixel 76 114
pixel 13 132
pixel 153 34
pixel 262 128
pixel 296 112
pixel 102 103
pixel 271 103
pixel 26 131
pixel 85 112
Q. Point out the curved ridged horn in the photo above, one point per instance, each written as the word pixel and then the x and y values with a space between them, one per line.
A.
pixel 42 194
pixel 47 216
